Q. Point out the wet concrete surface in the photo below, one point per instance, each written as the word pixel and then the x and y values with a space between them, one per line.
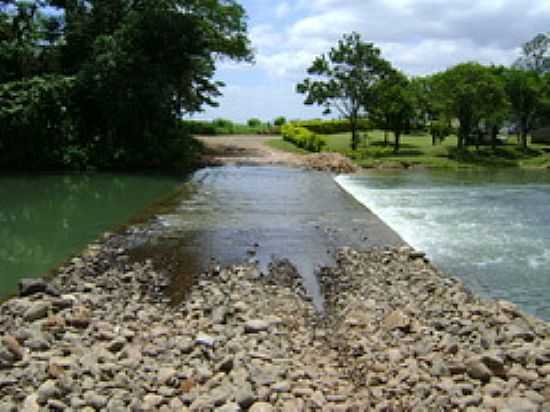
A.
pixel 233 214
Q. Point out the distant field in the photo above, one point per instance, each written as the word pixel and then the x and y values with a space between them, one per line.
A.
pixel 417 150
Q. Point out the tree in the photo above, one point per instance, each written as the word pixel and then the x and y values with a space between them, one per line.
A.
pixel 344 78
pixel 279 121
pixel 525 90
pixel 393 103
pixel 535 54
pixel 135 68
pixel 470 93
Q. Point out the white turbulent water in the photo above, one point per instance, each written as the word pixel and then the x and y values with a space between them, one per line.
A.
pixel 492 231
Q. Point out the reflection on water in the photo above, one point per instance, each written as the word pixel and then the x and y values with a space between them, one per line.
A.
pixel 45 219
pixel 274 211
pixel 490 228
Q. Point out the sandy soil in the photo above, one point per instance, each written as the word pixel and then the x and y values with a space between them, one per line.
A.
pixel 244 149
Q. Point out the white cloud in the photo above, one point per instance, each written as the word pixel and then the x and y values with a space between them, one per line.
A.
pixel 282 10
pixel 418 36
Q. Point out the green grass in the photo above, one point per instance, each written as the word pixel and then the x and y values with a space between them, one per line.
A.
pixel 285 146
pixel 417 150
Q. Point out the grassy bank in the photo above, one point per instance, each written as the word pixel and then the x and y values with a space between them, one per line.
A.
pixel 417 150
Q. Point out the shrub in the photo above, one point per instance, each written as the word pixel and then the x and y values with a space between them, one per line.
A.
pixel 254 122
pixel 302 137
pixel 279 121
pixel 332 126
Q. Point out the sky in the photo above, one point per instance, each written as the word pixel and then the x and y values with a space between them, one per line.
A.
pixel 416 36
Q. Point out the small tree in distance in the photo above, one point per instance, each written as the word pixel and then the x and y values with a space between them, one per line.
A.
pixel 393 104
pixel 343 80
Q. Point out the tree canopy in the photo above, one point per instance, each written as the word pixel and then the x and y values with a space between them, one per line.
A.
pixel 342 79
pixel 127 71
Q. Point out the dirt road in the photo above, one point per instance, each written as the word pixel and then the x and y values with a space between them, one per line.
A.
pixel 253 150
pixel 244 149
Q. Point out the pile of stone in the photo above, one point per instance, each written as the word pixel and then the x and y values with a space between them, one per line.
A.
pixel 396 336
pixel 330 162
pixel 412 339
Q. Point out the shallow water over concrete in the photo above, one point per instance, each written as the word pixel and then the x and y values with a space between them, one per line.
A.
pixel 235 214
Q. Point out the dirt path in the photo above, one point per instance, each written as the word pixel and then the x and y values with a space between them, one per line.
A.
pixel 253 150
pixel 245 149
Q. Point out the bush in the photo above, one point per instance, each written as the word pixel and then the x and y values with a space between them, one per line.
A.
pixel 302 137
pixel 254 122
pixel 279 121
pixel 332 126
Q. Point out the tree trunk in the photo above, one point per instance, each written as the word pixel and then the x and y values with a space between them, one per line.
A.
pixel 397 141
pixel 385 137
pixel 353 134
pixel 494 134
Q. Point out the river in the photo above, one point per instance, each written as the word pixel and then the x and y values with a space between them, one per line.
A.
pixel 45 219
pixel 491 229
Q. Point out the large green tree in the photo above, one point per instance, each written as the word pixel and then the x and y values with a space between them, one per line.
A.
pixel 134 67
pixel 342 80
pixel 470 93
pixel 526 91
pixel 393 105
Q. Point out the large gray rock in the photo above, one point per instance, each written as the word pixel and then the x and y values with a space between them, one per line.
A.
pixel 29 287
pixel 37 311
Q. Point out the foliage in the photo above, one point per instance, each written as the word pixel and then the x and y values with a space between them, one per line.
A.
pixel 440 130
pixel 332 126
pixel 135 69
pixel 393 106
pixel 471 93
pixel 535 54
pixel 525 91
pixel 35 124
pixel 302 137
pixel 279 121
pixel 220 127
pixel 343 79
pixel 254 122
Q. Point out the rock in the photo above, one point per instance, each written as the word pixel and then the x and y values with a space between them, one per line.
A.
pixel 29 287
pixel 281 387
pixel 30 404
pixel 151 402
pixel 225 365
pixel 205 340
pixel 245 397
pixel 116 345
pixel 396 320
pixel 37 311
pixel 318 400
pixel 56 405
pixel 229 407
pixel 478 370
pixel 95 400
pixel 256 325
pixel 48 390
pixel 166 375
pixel 8 406
pixel 13 346
pixel 261 407
pixel 494 362
pixel 518 404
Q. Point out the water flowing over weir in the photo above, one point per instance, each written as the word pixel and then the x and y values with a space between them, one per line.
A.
pixel 234 214
pixel 491 230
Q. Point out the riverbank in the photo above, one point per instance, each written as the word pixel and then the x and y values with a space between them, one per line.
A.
pixel 397 335
pixel 418 152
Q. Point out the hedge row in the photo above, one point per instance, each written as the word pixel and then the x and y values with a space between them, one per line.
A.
pixel 331 126
pixel 226 127
pixel 302 137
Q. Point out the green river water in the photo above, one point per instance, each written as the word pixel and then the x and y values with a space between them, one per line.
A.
pixel 45 219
